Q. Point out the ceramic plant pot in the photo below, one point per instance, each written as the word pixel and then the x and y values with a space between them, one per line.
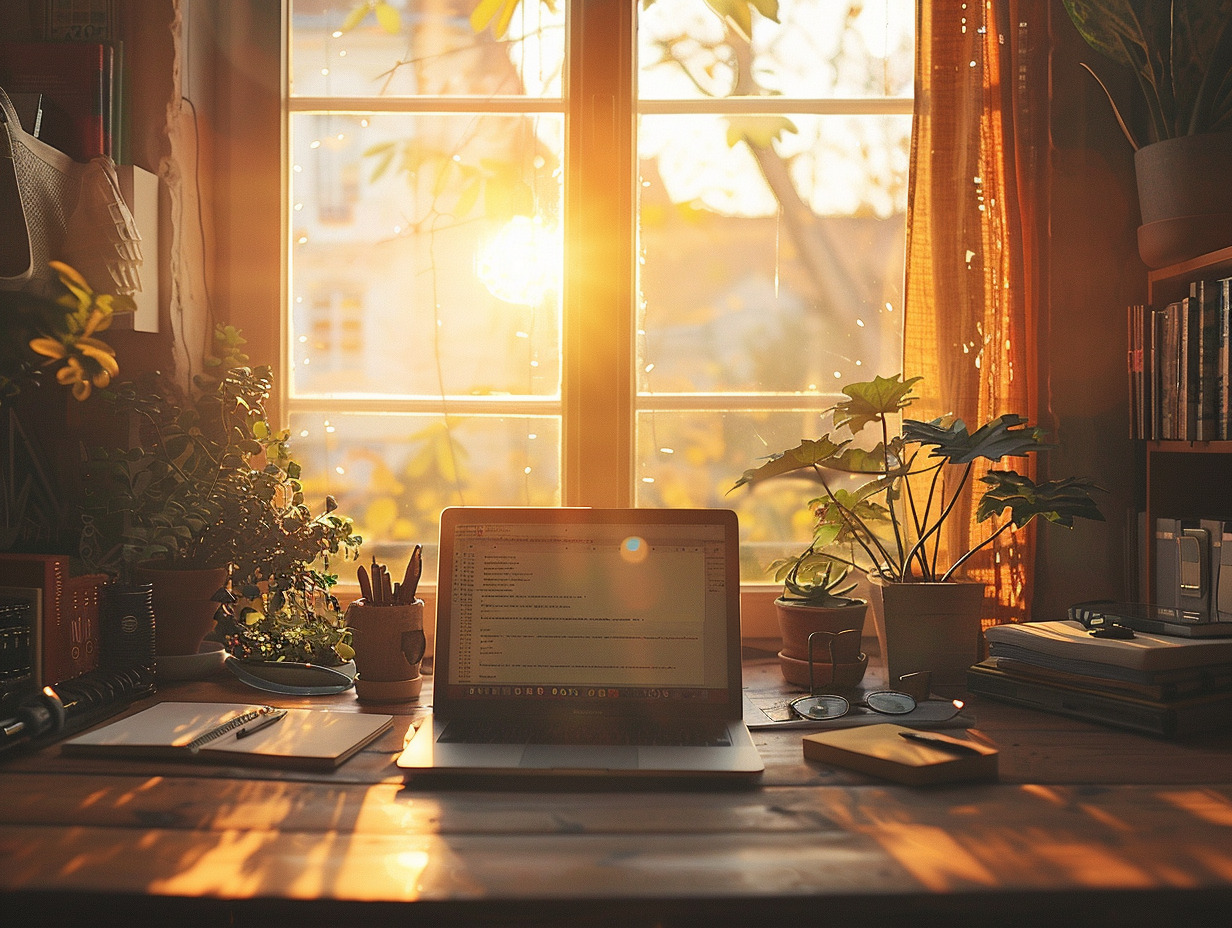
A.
pixel 933 627
pixel 1184 197
pixel 389 646
pixel 184 605
pixel 838 661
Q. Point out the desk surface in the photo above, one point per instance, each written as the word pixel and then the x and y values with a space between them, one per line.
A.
pixel 1087 826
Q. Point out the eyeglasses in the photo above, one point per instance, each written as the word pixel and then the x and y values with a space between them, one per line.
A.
pixel 824 706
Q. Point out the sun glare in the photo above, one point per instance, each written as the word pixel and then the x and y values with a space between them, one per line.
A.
pixel 522 262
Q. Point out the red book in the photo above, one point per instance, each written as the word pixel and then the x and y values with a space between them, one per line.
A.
pixel 70 620
pixel 75 81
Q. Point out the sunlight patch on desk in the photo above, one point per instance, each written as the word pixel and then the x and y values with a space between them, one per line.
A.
pixel 1205 804
pixel 934 857
pixel 1091 865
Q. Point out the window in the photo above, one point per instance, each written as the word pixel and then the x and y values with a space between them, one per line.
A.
pixel 599 253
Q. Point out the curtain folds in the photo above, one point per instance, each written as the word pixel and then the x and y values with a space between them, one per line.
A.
pixel 973 257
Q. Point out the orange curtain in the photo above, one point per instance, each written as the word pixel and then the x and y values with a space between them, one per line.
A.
pixel 973 275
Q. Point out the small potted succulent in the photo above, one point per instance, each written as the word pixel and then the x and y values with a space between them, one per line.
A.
pixel 814 611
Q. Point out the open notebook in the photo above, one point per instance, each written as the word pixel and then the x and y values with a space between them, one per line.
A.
pixel 587 641
pixel 232 733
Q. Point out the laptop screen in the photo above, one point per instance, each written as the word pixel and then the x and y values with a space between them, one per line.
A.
pixel 546 606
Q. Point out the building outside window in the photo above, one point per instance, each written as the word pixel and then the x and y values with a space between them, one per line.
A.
pixel 595 253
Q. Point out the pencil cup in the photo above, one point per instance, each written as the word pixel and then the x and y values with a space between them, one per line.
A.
pixel 389 645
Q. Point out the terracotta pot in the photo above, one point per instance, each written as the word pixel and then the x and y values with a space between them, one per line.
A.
pixel 389 645
pixel 1184 197
pixel 184 605
pixel 798 621
pixel 933 627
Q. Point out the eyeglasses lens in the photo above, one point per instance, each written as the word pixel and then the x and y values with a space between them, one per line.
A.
pixel 821 707
pixel 889 702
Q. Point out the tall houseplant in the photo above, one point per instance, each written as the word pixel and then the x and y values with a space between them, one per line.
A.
pixel 1180 55
pixel 891 525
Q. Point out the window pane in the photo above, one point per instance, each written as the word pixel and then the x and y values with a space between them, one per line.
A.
pixel 394 473
pixel 692 458
pixel 423 48
pixel 425 255
pixel 779 271
pixel 818 48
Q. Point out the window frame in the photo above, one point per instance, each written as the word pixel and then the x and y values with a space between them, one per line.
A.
pixel 599 401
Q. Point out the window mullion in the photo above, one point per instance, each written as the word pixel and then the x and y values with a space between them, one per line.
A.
pixel 599 291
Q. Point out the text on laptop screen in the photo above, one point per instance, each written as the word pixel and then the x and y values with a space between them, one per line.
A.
pixel 588 610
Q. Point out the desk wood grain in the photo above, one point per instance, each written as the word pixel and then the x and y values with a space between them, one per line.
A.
pixel 1088 826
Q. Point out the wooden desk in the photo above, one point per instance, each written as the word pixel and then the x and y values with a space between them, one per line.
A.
pixel 1088 826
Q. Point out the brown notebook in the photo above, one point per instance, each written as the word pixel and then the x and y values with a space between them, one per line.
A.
pixel 882 751
pixel 227 733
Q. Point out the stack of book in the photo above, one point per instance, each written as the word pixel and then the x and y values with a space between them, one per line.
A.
pixel 1158 684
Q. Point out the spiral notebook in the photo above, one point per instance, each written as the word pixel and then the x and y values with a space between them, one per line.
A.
pixel 233 733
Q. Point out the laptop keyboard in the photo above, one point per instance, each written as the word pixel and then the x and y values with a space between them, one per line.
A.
pixel 605 733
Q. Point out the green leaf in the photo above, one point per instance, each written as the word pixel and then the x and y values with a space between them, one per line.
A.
pixel 1059 501
pixel 811 452
pixel 1006 435
pixel 872 400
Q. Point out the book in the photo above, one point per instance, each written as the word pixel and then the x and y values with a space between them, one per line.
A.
pixel 1164 685
pixel 69 625
pixel 1093 702
pixel 1202 296
pixel 1223 367
pixel 881 750
pixel 1067 645
pixel 209 732
pixel 75 79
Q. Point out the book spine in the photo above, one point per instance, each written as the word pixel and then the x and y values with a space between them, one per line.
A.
pixel 1136 372
pixel 1223 311
pixel 1208 360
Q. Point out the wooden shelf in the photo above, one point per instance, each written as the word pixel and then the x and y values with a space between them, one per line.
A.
pixel 1185 479
pixel 1172 282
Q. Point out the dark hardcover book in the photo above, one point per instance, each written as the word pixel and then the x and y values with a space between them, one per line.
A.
pixel 1222 297
pixel 1187 377
pixel 1169 685
pixel 1170 372
pixel 1171 718
pixel 1202 295
pixel 70 613
pixel 75 80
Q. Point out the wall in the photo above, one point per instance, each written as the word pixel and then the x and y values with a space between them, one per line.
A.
pixel 1094 273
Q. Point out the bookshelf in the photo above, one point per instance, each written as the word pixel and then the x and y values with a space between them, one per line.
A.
pixel 1185 479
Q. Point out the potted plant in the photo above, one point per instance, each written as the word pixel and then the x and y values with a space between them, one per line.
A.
pixel 1180 54
pixel 890 527
pixel 206 495
pixel 47 344
pixel 814 611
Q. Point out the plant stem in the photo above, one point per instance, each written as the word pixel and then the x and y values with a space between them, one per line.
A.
pixel 987 541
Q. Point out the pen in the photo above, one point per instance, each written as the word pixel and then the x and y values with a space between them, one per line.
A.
pixel 269 719
pixel 945 744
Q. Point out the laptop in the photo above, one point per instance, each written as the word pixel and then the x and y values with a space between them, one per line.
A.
pixel 587 642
